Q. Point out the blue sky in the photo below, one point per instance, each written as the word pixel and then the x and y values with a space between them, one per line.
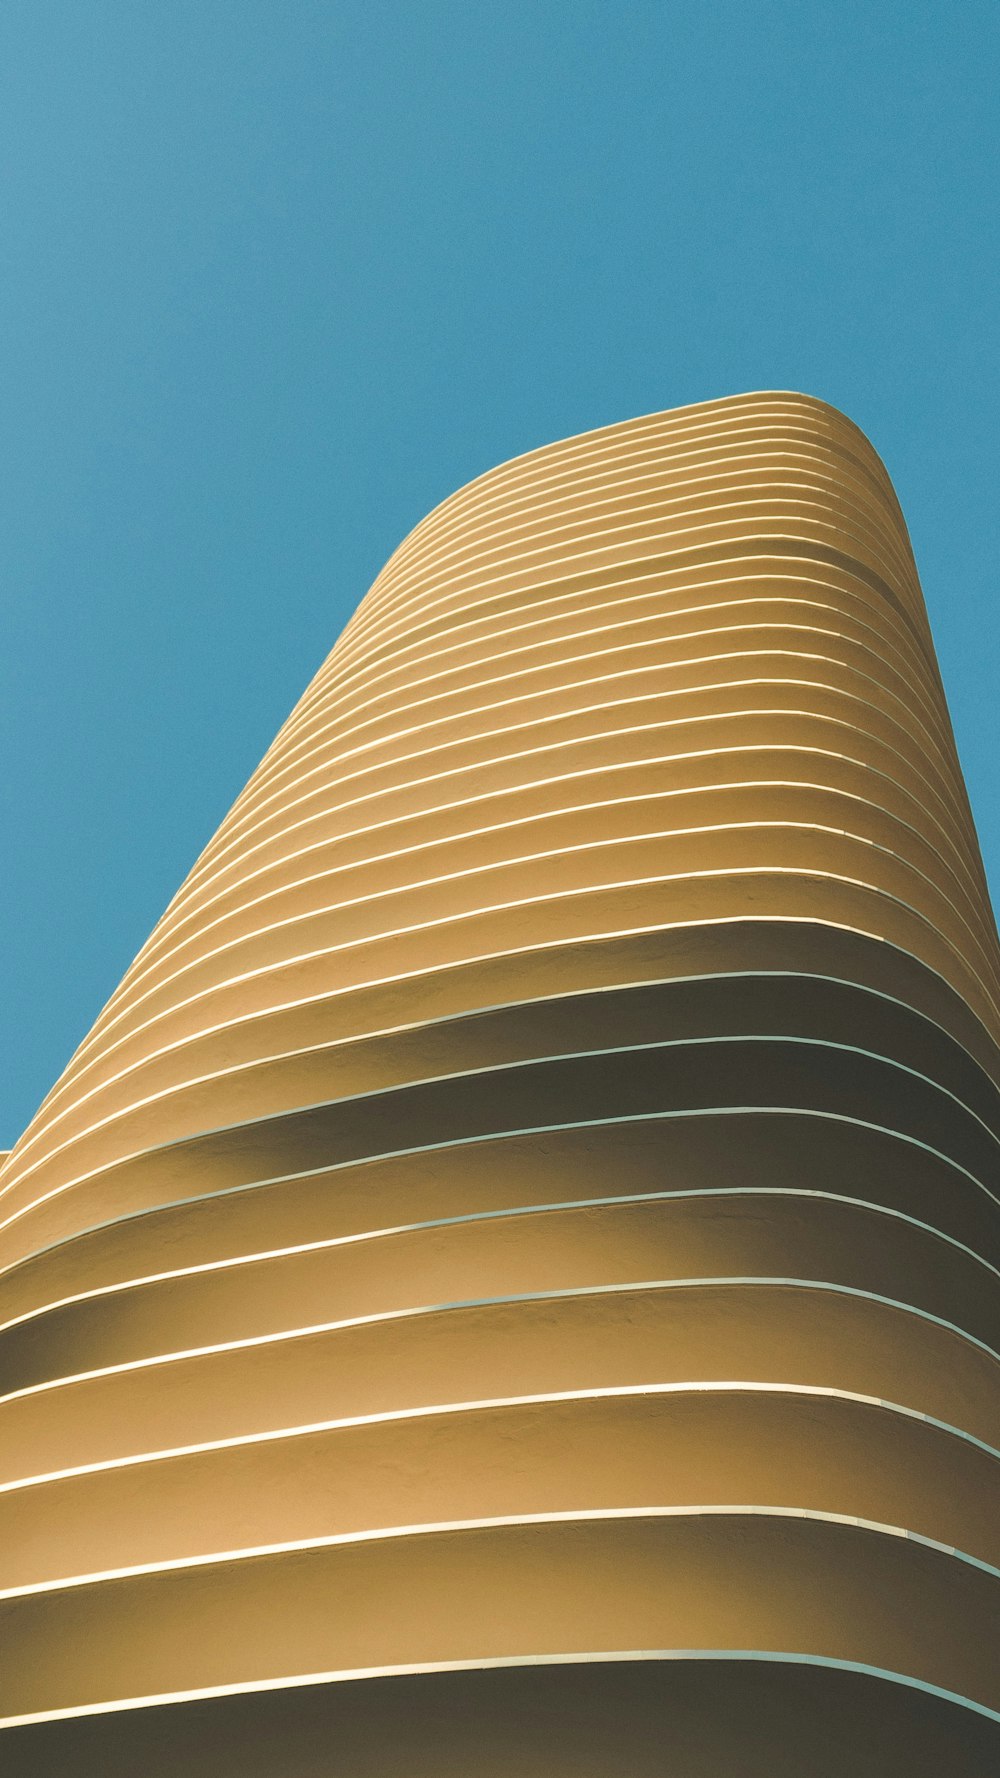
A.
pixel 277 275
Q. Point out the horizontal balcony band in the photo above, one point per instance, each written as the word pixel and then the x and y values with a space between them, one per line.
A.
pixel 166 1093
pixel 821 1586
pixel 668 1333
pixel 777 1447
pixel 779 1713
pixel 769 1073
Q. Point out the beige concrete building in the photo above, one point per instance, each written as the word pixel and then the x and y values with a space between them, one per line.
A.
pixel 508 1284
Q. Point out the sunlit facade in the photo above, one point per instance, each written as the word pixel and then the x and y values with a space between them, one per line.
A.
pixel 507 1285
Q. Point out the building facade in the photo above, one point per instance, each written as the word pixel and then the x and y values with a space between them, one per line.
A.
pixel 508 1284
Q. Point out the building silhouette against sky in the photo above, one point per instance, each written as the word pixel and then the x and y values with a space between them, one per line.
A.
pixel 507 1285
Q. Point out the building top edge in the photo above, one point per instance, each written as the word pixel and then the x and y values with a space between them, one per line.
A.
pixel 815 404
